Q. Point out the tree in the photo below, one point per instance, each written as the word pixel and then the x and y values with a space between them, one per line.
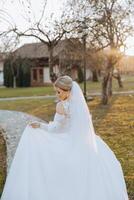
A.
pixel 112 27
pixel 8 76
pixel 8 45
pixel 96 62
pixel 70 56
pixel 17 72
pixel 47 31
pixel 116 75
pixel 109 25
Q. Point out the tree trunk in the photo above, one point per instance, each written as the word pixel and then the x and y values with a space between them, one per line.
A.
pixel 50 61
pixel 105 93
pixel 107 86
pixel 99 73
pixel 107 79
pixel 119 81
pixel 110 85
pixel 118 77
pixel 14 82
pixel 95 76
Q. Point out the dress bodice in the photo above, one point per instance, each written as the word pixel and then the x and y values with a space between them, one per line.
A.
pixel 61 122
pixel 65 104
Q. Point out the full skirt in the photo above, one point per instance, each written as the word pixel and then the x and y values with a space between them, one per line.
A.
pixel 47 166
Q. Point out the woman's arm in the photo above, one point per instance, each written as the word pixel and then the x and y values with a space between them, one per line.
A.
pixel 56 123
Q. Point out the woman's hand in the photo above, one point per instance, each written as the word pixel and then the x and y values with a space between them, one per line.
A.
pixel 35 124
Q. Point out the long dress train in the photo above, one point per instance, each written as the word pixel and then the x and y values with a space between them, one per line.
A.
pixel 51 164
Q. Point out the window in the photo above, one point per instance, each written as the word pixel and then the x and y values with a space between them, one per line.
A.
pixel 34 74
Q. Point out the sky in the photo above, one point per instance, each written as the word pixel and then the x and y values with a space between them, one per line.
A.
pixel 19 9
pixel 17 13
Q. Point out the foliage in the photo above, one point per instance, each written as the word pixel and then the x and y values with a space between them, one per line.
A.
pixel 80 75
pixel 8 75
pixel 19 68
pixel 103 23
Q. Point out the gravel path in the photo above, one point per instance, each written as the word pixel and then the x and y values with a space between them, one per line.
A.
pixel 14 123
pixel 131 92
pixel 31 97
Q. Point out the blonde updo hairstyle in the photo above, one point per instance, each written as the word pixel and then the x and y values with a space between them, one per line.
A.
pixel 64 82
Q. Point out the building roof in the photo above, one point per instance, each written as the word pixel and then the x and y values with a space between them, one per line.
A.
pixel 39 50
pixel 32 50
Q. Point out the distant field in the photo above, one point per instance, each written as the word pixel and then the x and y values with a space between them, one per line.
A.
pixel 48 90
pixel 114 123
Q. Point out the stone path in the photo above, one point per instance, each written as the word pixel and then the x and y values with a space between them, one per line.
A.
pixel 131 92
pixel 14 123
pixel 30 97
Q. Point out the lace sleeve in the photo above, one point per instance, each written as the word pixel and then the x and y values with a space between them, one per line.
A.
pixel 56 124
pixel 58 121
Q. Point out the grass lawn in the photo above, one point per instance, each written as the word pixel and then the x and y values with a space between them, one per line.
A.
pixel 48 90
pixel 114 123
pixel 30 91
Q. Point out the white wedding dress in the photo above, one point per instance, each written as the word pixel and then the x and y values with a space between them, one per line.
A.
pixel 65 160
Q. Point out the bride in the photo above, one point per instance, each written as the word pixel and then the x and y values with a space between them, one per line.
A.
pixel 64 159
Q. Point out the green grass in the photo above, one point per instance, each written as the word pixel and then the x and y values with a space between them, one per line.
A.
pixel 128 84
pixel 30 91
pixel 114 123
pixel 48 90
pixel 41 108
